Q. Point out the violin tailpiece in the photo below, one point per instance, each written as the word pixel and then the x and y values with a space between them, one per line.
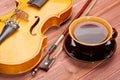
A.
pixel 37 3
pixel 10 27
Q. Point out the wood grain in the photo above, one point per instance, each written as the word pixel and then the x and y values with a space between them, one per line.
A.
pixel 6 6
pixel 66 68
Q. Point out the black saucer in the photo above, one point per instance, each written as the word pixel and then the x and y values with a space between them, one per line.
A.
pixel 77 52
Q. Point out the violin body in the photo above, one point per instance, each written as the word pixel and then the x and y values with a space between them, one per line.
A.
pixel 23 50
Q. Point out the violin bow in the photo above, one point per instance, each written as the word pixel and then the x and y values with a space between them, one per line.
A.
pixel 47 61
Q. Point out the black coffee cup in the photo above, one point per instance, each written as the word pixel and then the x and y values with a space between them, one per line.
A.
pixel 92 39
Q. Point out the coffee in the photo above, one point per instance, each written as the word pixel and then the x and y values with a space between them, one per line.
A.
pixel 90 32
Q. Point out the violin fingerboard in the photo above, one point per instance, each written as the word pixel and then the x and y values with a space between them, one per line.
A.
pixel 37 3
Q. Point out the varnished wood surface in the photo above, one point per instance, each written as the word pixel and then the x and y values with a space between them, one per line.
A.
pixel 66 68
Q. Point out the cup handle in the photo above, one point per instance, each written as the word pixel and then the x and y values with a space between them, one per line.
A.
pixel 115 33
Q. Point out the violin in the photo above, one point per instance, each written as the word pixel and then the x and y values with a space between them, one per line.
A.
pixel 23 50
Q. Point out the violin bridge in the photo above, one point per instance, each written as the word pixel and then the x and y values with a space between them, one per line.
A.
pixel 21 14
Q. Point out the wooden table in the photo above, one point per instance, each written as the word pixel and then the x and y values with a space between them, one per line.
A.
pixel 65 68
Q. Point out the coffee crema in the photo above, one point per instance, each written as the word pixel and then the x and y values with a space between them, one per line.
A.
pixel 90 32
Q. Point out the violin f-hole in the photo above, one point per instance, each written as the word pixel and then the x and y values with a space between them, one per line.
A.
pixel 33 26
